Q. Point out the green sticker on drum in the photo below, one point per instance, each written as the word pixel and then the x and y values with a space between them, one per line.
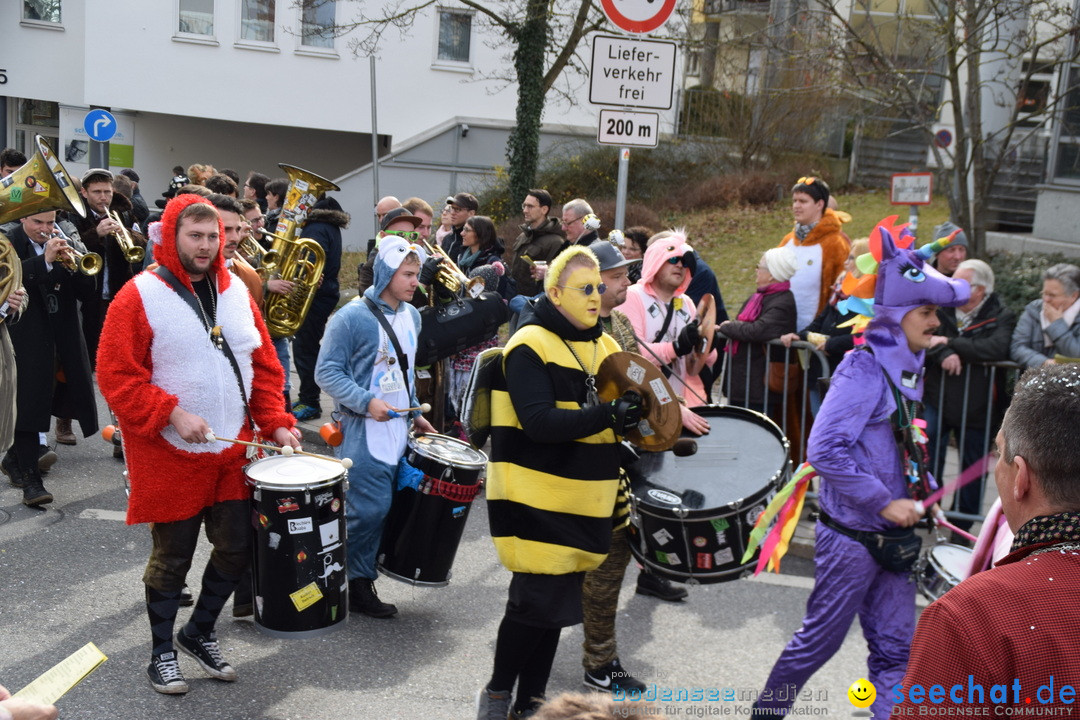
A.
pixel 719 524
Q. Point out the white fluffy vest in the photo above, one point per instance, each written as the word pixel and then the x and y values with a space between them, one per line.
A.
pixel 186 363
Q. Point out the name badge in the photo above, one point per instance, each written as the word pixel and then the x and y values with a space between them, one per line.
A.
pixel 390 382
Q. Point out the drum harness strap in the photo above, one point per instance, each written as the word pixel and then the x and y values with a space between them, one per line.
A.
pixel 211 326
pixel 402 360
pixel 668 372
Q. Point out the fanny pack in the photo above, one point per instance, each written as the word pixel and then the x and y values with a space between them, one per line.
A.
pixel 894 550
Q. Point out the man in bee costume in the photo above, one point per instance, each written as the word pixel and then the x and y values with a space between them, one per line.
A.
pixel 553 476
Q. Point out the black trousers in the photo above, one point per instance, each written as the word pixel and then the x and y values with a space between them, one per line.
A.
pixel 305 346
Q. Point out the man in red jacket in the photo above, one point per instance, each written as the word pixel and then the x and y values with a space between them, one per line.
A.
pixel 1010 636
pixel 163 367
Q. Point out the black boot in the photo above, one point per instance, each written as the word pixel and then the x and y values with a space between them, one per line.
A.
pixel 11 468
pixel 364 599
pixel 34 493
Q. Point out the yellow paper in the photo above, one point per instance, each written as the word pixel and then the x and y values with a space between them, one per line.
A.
pixel 51 685
pixel 306 596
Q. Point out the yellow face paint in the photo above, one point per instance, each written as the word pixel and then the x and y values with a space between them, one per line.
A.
pixel 583 311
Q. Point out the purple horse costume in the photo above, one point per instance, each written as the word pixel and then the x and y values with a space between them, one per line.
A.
pixel 853 449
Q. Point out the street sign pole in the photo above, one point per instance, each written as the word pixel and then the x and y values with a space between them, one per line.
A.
pixel 100 126
pixel 620 190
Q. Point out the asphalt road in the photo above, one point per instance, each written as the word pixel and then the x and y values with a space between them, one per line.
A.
pixel 71 574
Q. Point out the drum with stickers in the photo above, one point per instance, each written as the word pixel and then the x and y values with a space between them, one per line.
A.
pixel 427 516
pixel 298 565
pixel 693 507
pixel 942 568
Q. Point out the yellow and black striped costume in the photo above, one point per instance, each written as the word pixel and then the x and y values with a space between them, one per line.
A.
pixel 550 503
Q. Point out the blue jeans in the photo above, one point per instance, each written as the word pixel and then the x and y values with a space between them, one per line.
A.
pixel 281 345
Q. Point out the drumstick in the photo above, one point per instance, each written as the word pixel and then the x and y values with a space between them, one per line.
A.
pixel 423 407
pixel 284 449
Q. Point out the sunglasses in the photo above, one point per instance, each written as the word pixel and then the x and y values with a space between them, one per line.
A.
pixel 410 235
pixel 587 289
pixel 675 260
pixel 808 180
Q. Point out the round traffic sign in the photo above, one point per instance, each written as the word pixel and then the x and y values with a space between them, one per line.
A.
pixel 638 16
pixel 100 125
pixel 943 138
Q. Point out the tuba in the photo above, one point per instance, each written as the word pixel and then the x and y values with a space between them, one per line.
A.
pixel 41 185
pixel 298 261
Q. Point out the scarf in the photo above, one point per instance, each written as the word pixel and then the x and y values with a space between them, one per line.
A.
pixel 801 231
pixel 1048 529
pixel 752 309
pixel 964 319
pixel 1069 317
pixel 465 262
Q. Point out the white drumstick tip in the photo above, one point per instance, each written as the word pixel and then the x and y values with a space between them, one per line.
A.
pixel 346 463
pixel 425 407
pixel 287 450
pixel 211 437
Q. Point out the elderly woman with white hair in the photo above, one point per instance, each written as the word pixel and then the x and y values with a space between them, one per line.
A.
pixel 767 314
pixel 1048 326
pixel 964 398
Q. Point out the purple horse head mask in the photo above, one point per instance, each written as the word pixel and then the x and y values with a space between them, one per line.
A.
pixel 905 281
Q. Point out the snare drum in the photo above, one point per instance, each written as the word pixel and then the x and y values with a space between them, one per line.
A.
pixel 298 566
pixel 425 524
pixel 942 568
pixel 691 514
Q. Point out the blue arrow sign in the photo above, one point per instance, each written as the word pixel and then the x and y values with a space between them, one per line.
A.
pixel 100 125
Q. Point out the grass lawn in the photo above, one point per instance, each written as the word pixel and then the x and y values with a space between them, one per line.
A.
pixel 732 239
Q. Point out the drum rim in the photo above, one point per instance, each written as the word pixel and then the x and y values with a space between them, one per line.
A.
pixel 943 572
pixel 746 502
pixel 262 484
pixel 479 464
pixel 754 416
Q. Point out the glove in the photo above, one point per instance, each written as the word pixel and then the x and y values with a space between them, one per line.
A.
pixel 430 268
pixel 624 412
pixel 689 338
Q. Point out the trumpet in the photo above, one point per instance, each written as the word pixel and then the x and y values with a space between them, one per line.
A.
pixel 450 275
pixel 87 263
pixel 264 260
pixel 132 252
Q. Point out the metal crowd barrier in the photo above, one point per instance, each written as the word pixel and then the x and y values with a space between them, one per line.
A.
pixel 813 363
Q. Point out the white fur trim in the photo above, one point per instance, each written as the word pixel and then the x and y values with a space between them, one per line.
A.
pixel 187 365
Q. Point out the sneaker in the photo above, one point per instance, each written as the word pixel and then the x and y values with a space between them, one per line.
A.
pixel 611 677
pixel 306 412
pixel 10 468
pixel 492 705
pixel 34 493
pixel 658 587
pixel 186 598
pixel 47 457
pixel 64 435
pixel 364 599
pixel 165 676
pixel 204 648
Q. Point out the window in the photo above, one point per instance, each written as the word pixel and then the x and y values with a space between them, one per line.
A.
pixel 317 24
pixel 257 20
pixel 36 117
pixel 196 17
pixel 43 10
pixel 455 36
pixel 1067 166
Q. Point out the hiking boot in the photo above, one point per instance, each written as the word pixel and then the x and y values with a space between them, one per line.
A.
pixel 10 468
pixel 492 705
pixel 47 457
pixel 364 599
pixel 658 587
pixel 165 676
pixel 205 650
pixel 64 435
pixel 306 412
pixel 34 493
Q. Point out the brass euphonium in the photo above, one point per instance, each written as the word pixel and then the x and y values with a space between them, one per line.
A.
pixel 298 261
pixel 132 252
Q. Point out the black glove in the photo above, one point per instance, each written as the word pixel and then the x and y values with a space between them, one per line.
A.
pixel 689 338
pixel 624 412
pixel 430 268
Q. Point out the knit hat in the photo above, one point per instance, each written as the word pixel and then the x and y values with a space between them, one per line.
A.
pixel 947 228
pixel 781 262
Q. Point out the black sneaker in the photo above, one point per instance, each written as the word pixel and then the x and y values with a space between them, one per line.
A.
pixel 531 709
pixel 34 493
pixel 165 676
pixel 10 468
pixel 658 587
pixel 204 648
pixel 611 677
pixel 491 705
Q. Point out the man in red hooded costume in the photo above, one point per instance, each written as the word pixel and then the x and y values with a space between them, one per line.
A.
pixel 164 368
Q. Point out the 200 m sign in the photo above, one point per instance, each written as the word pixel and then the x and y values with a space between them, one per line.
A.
pixel 620 127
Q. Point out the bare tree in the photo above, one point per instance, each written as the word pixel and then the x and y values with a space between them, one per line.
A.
pixel 542 40
pixel 972 62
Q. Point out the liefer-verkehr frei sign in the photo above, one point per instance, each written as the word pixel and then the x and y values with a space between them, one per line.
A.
pixel 632 73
